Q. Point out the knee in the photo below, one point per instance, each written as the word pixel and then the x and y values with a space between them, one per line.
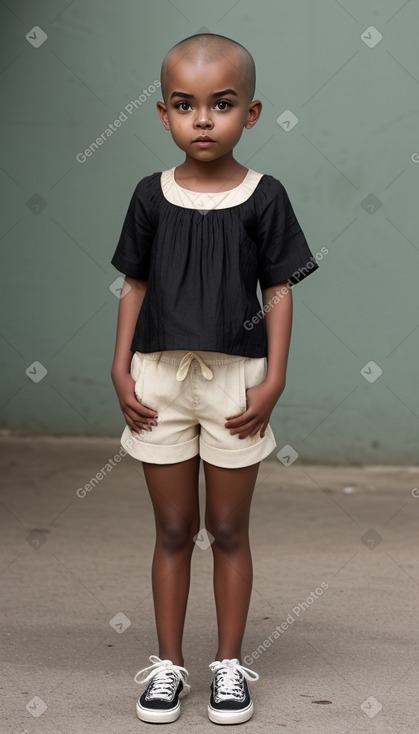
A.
pixel 227 537
pixel 175 537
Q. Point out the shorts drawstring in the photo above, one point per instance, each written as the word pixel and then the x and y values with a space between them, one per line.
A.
pixel 185 363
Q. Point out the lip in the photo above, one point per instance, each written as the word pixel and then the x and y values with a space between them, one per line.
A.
pixel 204 143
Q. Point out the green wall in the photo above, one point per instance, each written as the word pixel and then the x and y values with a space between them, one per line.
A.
pixel 350 166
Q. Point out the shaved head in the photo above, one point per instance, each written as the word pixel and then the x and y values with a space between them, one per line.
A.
pixel 209 48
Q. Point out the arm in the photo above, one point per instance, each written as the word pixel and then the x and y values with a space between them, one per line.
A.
pixel 130 303
pixel 278 320
pixel 132 296
pixel 262 398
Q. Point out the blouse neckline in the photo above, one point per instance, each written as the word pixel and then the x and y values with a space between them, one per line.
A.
pixel 176 195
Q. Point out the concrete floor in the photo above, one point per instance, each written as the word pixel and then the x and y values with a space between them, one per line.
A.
pixel 77 613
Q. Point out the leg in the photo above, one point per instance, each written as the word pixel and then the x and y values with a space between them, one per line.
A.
pixel 228 498
pixel 174 494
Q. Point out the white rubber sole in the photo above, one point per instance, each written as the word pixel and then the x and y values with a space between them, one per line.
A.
pixel 230 717
pixel 160 717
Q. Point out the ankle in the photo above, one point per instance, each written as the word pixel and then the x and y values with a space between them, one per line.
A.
pixel 228 655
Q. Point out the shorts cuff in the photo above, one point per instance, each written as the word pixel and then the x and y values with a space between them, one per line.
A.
pixel 158 453
pixel 233 459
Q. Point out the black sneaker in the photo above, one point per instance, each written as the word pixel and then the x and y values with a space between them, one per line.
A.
pixel 160 701
pixel 230 701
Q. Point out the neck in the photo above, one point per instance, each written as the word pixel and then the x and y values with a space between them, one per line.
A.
pixel 224 167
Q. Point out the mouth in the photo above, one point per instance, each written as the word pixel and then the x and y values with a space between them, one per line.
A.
pixel 203 142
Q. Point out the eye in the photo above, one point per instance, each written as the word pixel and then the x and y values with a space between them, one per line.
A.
pixel 224 101
pixel 180 103
pixel 220 101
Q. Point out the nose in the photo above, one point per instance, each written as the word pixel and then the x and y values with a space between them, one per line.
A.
pixel 203 118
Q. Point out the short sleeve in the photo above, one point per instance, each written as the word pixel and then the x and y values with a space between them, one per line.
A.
pixel 283 251
pixel 133 251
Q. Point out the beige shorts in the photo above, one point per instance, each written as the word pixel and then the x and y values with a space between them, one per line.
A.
pixel 193 393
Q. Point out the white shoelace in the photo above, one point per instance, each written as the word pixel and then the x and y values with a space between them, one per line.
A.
pixel 228 679
pixel 165 676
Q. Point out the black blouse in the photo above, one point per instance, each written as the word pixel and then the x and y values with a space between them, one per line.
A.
pixel 203 266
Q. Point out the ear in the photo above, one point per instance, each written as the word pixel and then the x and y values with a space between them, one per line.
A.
pixel 255 109
pixel 162 110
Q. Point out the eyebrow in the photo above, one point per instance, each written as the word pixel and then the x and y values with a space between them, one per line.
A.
pixel 215 94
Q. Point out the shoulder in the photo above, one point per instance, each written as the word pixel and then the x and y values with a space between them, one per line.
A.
pixel 147 197
pixel 148 185
pixel 268 190
pixel 271 182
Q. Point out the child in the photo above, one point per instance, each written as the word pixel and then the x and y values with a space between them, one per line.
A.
pixel 199 365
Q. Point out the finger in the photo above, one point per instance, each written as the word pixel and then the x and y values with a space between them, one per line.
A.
pixel 137 422
pixel 136 418
pixel 138 409
pixel 244 433
pixel 246 425
pixel 133 428
pixel 238 416
pixel 138 427
pixel 144 409
pixel 133 419
pixel 263 431
pixel 147 423
pixel 236 423
pixel 234 417
pixel 241 420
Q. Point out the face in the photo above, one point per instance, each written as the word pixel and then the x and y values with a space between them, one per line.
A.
pixel 195 111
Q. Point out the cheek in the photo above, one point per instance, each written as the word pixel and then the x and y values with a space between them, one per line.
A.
pixel 181 126
pixel 178 129
pixel 232 122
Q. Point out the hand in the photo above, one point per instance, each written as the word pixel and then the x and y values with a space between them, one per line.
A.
pixel 137 416
pixel 261 401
